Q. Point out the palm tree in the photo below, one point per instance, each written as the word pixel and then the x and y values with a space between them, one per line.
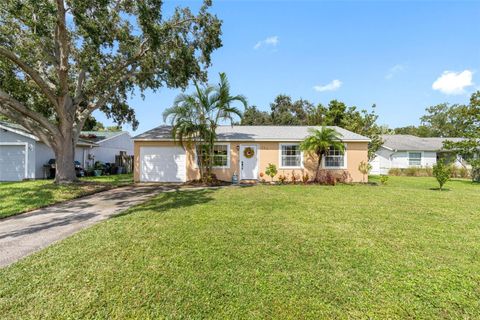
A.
pixel 195 118
pixel 319 143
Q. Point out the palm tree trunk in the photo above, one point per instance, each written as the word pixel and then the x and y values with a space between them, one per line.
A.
pixel 200 160
pixel 211 144
pixel 318 167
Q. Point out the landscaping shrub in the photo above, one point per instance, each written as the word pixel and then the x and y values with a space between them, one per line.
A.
pixel 364 168
pixel 282 178
pixel 305 178
pixel 345 177
pixel 442 173
pixel 456 172
pixel 429 171
pixel 383 179
pixel 464 173
pixel 459 172
pixel 476 174
pixel 271 170
pixel 395 172
pixel 326 177
pixel 411 172
pixel 294 178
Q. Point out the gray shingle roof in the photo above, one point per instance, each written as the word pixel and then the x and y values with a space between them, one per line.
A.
pixel 404 142
pixel 254 133
pixel 98 136
pixel 14 126
pixel 19 128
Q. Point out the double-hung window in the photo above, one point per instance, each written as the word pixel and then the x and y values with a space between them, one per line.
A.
pixel 415 159
pixel 220 156
pixel 290 156
pixel 335 158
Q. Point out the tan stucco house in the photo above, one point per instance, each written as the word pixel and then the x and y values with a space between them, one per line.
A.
pixel 244 151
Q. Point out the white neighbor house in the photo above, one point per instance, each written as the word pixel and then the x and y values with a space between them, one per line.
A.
pixel 404 151
pixel 110 143
pixel 23 155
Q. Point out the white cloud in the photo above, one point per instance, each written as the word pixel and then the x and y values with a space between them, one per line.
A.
pixel 394 70
pixel 270 41
pixel 451 82
pixel 332 86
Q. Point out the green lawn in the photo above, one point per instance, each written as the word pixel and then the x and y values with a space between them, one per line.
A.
pixel 18 197
pixel 394 251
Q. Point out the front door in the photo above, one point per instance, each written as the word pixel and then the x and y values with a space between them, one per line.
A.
pixel 248 162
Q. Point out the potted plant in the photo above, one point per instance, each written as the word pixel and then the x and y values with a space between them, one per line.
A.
pixel 98 168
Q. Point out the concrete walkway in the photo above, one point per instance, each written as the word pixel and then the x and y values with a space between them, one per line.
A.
pixel 26 233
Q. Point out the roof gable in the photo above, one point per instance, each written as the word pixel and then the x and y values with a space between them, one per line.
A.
pixel 18 129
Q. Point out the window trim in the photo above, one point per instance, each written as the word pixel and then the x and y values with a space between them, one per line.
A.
pixel 345 161
pixel 415 165
pixel 280 166
pixel 195 160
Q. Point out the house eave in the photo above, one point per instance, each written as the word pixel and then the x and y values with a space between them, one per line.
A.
pixel 113 137
pixel 250 140
pixel 19 132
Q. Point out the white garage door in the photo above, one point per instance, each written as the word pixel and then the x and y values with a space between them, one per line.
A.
pixel 12 162
pixel 163 164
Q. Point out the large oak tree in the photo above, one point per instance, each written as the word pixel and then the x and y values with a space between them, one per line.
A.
pixel 60 60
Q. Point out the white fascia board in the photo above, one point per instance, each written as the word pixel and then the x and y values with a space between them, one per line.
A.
pixel 113 137
pixel 250 140
pixel 28 135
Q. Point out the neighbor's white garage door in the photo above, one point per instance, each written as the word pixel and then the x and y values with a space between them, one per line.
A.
pixel 12 162
pixel 163 164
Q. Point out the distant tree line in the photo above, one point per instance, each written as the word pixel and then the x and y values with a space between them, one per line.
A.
pixel 443 120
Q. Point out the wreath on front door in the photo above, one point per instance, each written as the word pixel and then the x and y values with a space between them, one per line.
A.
pixel 248 152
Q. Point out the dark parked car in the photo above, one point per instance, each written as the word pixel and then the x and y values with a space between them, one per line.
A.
pixel 78 168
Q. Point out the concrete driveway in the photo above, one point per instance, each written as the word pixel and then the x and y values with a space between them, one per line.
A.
pixel 29 232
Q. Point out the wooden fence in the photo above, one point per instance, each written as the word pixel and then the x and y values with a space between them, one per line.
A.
pixel 125 161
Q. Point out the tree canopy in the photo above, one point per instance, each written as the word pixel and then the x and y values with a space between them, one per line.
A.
pixel 61 60
pixel 469 148
pixel 441 120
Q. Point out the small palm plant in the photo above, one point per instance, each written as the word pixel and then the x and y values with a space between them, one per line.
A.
pixel 364 169
pixel 319 143
pixel 271 171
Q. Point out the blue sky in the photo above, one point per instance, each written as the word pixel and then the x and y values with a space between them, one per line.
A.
pixel 402 56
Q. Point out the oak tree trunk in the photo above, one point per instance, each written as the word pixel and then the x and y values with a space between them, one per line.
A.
pixel 65 154
pixel 64 159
